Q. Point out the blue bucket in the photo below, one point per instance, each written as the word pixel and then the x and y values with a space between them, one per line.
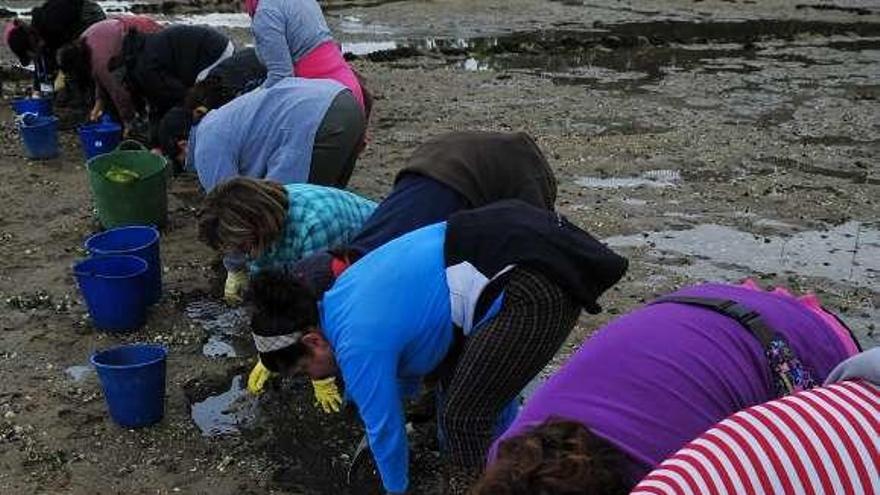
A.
pixel 40 136
pixel 114 290
pixel 100 137
pixel 39 106
pixel 136 240
pixel 133 380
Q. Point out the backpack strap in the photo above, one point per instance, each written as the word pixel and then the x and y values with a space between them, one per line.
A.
pixel 751 320
pixel 789 373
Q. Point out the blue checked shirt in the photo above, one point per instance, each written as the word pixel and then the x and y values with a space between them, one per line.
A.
pixel 318 218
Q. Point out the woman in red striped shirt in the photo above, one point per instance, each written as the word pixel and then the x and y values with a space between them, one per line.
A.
pixel 822 441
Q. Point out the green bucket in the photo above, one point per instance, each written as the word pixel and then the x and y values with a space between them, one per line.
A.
pixel 129 186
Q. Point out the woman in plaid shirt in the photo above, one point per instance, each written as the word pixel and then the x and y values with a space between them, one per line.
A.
pixel 275 225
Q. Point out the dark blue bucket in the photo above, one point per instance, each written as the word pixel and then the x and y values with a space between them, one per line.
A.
pixel 136 240
pixel 39 135
pixel 114 288
pixel 100 137
pixel 133 379
pixel 39 106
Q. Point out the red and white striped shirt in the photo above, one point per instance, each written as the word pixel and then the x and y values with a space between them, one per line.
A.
pixel 820 441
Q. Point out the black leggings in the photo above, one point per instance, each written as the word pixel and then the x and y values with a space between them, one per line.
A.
pixel 335 151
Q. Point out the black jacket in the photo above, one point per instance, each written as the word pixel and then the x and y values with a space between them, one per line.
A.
pixel 59 22
pixel 512 232
pixel 238 74
pixel 161 67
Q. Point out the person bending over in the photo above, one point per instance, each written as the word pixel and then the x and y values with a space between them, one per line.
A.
pixel 300 130
pixel 452 172
pixel 652 380
pixel 824 440
pixel 481 303
pixel 272 225
pixel 89 59
pixel 292 38
pixel 160 68
pixel 231 78
pixel 53 24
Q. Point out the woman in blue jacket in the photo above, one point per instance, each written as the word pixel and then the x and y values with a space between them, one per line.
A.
pixel 478 304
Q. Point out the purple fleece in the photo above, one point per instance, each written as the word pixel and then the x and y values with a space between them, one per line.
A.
pixel 653 380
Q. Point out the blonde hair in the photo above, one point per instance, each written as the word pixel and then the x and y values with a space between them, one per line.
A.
pixel 244 213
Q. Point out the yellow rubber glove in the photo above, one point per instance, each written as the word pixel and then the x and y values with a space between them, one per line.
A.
pixel 60 81
pixel 236 282
pixel 327 395
pixel 96 111
pixel 258 377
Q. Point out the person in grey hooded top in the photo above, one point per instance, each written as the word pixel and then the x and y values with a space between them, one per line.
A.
pixel 299 130
pixel 293 37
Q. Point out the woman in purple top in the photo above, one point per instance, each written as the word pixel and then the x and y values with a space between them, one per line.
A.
pixel 650 382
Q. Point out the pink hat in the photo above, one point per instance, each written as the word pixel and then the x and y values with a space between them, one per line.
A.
pixel 250 6
pixel 10 28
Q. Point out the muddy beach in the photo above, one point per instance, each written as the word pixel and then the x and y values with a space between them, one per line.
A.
pixel 706 140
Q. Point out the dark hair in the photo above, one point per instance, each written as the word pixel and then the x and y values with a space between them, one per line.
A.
pixel 174 126
pixel 284 304
pixel 558 457
pixel 20 42
pixel 74 59
pixel 209 93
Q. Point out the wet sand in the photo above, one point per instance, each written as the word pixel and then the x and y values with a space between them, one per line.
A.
pixel 705 140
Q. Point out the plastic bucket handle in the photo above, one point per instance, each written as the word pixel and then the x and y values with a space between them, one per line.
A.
pixel 131 145
pixel 20 118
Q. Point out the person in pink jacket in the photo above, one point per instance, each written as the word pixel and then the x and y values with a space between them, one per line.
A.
pixel 292 36
pixel 91 55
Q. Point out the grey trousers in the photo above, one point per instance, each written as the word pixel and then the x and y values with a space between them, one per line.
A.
pixel 336 142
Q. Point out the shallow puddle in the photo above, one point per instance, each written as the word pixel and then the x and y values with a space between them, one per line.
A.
pixel 368 47
pixel 352 24
pixel 79 373
pixel 227 412
pixel 848 253
pixel 651 178
pixel 115 7
pixel 224 346
pixel 744 69
pixel 225 20
pixel 216 347
pixel 226 328
pixel 217 318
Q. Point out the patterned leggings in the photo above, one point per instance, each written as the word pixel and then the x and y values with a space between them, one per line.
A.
pixel 500 360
